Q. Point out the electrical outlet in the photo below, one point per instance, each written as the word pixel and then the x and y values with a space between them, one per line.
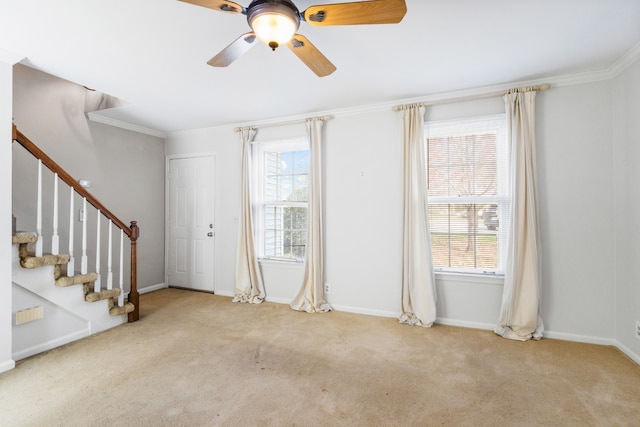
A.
pixel 638 329
pixel 327 288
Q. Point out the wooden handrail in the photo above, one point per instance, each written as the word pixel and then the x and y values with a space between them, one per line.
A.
pixel 68 179
pixel 132 232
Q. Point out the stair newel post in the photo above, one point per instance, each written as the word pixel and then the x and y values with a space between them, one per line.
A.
pixel 39 211
pixel 121 276
pixel 71 267
pixel 97 285
pixel 55 239
pixel 134 297
pixel 110 259
pixel 83 260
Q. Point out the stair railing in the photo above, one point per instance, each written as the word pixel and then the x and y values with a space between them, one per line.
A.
pixel 132 231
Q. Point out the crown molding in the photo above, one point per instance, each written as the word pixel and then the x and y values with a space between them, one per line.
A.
pixel 625 61
pixel 94 117
pixel 556 81
pixel 466 94
pixel 453 96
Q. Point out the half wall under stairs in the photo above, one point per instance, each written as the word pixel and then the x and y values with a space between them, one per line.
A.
pixel 66 306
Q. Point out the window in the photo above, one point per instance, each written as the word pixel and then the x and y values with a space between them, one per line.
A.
pixel 468 194
pixel 281 199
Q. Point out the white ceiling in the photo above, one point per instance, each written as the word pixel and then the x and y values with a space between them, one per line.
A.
pixel 153 54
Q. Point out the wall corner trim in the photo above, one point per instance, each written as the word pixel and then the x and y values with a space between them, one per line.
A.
pixel 7 365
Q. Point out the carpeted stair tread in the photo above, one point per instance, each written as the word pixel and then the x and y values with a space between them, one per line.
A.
pixel 78 279
pixel 59 263
pixel 118 311
pixel 102 295
pixel 24 237
pixel 31 261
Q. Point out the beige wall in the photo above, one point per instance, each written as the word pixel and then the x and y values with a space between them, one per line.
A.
pixel 363 209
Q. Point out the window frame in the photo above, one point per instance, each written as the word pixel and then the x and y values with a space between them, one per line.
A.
pixel 464 126
pixel 258 202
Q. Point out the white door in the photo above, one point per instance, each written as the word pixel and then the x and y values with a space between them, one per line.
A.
pixel 190 262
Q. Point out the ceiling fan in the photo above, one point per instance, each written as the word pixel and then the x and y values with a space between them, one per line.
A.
pixel 275 22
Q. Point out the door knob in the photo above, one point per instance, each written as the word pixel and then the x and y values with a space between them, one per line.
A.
pixel 210 234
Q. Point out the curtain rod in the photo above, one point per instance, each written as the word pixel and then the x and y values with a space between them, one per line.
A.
pixel 284 123
pixel 541 87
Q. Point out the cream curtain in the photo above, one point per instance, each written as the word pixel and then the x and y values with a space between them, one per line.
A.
pixel 418 279
pixel 520 312
pixel 249 286
pixel 311 298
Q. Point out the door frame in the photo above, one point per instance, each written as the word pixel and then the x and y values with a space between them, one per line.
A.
pixel 167 211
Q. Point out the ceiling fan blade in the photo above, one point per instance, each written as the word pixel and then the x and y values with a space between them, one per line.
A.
pixel 219 5
pixel 311 56
pixel 232 52
pixel 360 12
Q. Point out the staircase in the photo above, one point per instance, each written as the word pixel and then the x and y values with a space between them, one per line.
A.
pixel 63 280
pixel 53 303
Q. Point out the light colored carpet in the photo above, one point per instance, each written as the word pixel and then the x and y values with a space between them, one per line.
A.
pixel 197 359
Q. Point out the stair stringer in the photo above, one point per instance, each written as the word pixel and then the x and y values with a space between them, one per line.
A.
pixel 40 281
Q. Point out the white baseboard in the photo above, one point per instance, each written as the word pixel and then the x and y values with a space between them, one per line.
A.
pixel 152 288
pixel 344 308
pixel 446 321
pixel 52 344
pixel 547 334
pixel 579 338
pixel 7 365
pixel 552 335
pixel 365 311
pixel 278 300
pixel 626 350
pixel 224 293
pixel 465 324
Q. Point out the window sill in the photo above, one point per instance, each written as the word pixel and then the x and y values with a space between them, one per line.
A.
pixel 281 263
pixel 482 279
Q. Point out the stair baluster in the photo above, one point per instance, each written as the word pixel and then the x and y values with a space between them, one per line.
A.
pixel 109 260
pixel 97 285
pixel 39 211
pixel 121 281
pixel 55 239
pixel 83 260
pixel 71 265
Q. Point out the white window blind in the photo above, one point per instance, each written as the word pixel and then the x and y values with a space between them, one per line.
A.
pixel 468 194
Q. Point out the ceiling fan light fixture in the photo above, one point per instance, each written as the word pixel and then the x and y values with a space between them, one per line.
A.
pixel 273 23
pixel 276 22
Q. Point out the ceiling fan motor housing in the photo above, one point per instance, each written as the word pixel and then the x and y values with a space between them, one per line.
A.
pixel 284 8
